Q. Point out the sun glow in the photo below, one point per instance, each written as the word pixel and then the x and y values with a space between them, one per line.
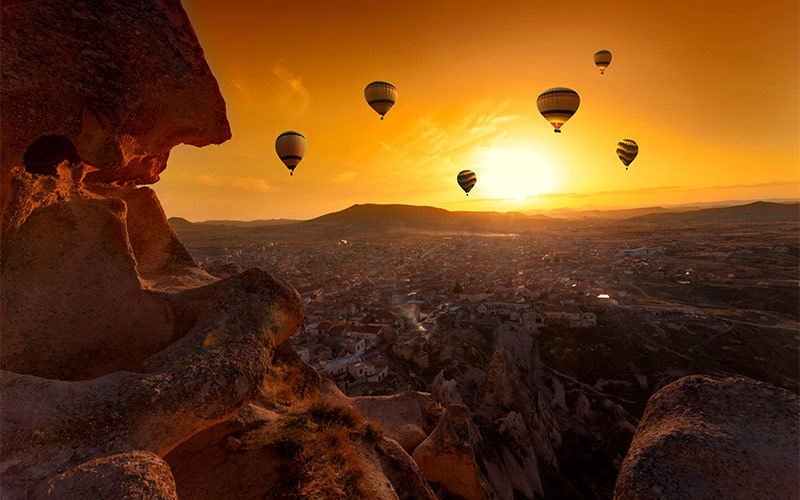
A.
pixel 515 173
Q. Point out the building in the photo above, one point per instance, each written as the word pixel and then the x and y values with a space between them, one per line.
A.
pixel 355 346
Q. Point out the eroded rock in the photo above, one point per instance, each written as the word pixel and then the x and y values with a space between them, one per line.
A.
pixel 703 438
pixel 135 475
pixel 447 456
pixel 116 84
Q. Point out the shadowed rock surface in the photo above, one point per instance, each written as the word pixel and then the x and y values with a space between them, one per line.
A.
pixel 135 475
pixel 703 438
pixel 447 456
pixel 119 351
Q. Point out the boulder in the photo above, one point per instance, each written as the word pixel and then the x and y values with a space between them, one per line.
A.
pixel 407 417
pixel 704 438
pixel 135 475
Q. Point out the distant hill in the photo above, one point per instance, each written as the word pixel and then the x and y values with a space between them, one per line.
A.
pixel 249 223
pixel 372 220
pixel 377 220
pixel 759 211
pixel 622 213
pixel 183 223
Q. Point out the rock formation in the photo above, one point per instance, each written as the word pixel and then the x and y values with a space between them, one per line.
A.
pixel 407 417
pixel 94 96
pixel 119 351
pixel 262 451
pixel 703 438
pixel 447 455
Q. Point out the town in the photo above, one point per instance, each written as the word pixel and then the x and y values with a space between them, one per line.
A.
pixel 388 313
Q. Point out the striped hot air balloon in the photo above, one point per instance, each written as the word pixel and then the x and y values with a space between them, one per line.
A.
pixel 381 96
pixel 602 58
pixel 290 146
pixel 467 180
pixel 627 149
pixel 557 105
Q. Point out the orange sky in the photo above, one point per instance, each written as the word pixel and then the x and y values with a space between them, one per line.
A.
pixel 709 90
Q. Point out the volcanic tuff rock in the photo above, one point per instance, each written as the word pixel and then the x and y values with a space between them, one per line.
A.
pixel 115 84
pixel 135 475
pixel 116 345
pixel 447 455
pixel 129 371
pixel 278 438
pixel 519 430
pixel 94 94
pixel 445 391
pixel 407 417
pixel 703 438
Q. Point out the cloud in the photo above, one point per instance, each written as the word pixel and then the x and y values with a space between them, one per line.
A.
pixel 664 189
pixel 293 87
pixel 253 184
pixel 436 142
pixel 344 177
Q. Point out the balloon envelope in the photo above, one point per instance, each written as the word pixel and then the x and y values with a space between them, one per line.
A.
pixel 467 180
pixel 627 149
pixel 602 58
pixel 557 105
pixel 381 96
pixel 291 147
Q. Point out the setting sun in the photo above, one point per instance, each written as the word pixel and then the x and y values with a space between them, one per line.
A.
pixel 516 173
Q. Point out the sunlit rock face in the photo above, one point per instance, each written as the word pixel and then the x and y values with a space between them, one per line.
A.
pixel 706 438
pixel 115 84
pixel 94 96
pixel 116 345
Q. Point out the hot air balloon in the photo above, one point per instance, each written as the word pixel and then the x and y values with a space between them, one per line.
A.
pixel 290 146
pixel 602 58
pixel 381 96
pixel 557 105
pixel 627 149
pixel 467 180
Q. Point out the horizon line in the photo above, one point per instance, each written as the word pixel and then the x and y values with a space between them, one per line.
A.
pixel 585 208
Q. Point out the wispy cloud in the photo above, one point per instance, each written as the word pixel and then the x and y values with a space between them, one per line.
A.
pixel 293 87
pixel 253 184
pixel 665 189
pixel 438 142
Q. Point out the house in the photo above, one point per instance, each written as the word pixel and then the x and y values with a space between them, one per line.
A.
pixel 355 346
pixel 377 331
pixel 380 373
pixel 565 315
pixel 336 366
pixel 385 317
pixel 318 327
pixel 339 330
pixel 360 369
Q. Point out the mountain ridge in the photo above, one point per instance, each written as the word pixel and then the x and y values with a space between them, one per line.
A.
pixel 377 219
